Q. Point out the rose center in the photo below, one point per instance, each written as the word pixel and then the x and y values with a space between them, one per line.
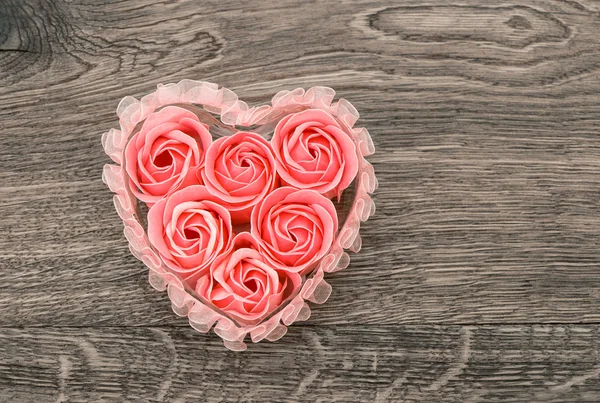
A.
pixel 163 159
pixel 191 234
pixel 251 285
pixel 313 150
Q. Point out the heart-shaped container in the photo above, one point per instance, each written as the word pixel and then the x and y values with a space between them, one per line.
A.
pixel 208 101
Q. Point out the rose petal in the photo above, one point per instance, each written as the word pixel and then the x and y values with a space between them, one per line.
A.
pixel 240 170
pixel 244 284
pixel 314 152
pixel 294 228
pixel 166 154
pixel 186 213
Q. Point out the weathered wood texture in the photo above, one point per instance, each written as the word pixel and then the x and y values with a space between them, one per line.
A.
pixel 322 363
pixel 485 116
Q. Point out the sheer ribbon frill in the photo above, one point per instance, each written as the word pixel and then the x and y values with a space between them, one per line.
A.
pixel 233 112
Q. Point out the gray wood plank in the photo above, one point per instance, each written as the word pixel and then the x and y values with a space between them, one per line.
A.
pixel 486 134
pixel 477 281
pixel 324 363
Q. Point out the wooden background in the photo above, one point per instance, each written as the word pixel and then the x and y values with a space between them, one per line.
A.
pixel 478 279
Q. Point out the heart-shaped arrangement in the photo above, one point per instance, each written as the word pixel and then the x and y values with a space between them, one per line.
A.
pixel 245 214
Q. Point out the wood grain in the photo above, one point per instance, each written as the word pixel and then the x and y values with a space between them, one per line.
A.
pixel 485 117
pixel 324 363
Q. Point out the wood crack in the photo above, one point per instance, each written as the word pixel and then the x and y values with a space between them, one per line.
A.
pixel 17 50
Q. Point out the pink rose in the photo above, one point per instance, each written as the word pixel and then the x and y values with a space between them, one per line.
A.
pixel 166 154
pixel 314 152
pixel 189 229
pixel 240 170
pixel 243 284
pixel 294 228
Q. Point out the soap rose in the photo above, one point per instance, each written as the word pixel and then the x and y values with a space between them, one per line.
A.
pixel 314 152
pixel 294 228
pixel 166 154
pixel 189 229
pixel 243 284
pixel 240 170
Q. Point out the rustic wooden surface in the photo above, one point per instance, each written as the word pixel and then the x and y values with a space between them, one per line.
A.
pixel 478 279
